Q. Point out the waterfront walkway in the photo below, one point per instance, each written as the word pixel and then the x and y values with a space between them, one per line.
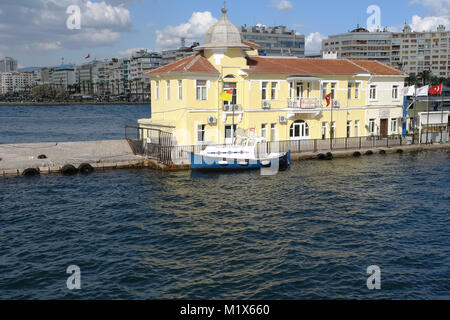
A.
pixel 111 154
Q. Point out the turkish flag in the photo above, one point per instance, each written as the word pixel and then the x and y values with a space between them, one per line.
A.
pixel 436 89
pixel 328 98
pixel 88 56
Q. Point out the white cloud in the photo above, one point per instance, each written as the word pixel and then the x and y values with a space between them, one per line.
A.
pixel 313 42
pixel 428 23
pixel 282 5
pixel 41 24
pixel 434 7
pixel 49 46
pixel 193 30
pixel 129 52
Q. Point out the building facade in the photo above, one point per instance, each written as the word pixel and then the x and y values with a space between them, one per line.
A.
pixel 11 82
pixel 280 98
pixel 8 64
pixel 275 41
pixel 141 63
pixel 409 51
pixel 64 77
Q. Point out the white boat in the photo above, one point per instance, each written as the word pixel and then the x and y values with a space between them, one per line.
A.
pixel 244 154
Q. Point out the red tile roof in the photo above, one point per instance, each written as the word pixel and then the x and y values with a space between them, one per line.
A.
pixel 191 64
pixel 252 44
pixel 302 66
pixel 377 68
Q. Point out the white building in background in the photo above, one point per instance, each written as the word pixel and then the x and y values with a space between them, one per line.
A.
pixel 8 64
pixel 11 82
pixel 360 44
pixel 409 51
pixel 141 63
pixel 40 77
pixel 64 77
pixel 275 41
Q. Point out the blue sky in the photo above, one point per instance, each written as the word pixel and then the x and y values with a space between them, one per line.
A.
pixel 110 28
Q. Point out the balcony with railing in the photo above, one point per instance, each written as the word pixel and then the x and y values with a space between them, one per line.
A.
pixel 312 106
pixel 304 103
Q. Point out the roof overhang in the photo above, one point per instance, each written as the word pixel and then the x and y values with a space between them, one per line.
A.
pixel 312 79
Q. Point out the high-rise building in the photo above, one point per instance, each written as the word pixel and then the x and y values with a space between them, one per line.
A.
pixel 8 64
pixel 275 41
pixel 410 51
pixel 15 82
pixel 141 63
pixel 360 44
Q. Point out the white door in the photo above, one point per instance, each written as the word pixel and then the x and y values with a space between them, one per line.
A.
pixel 230 133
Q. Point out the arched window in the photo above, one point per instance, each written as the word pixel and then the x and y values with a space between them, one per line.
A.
pixel 299 130
pixel 229 76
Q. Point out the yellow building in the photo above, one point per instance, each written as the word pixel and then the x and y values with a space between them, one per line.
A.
pixel 280 98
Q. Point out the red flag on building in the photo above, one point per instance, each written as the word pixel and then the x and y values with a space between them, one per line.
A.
pixel 436 89
pixel 88 56
pixel 328 99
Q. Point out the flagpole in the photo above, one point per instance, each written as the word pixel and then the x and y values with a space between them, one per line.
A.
pixel 442 112
pixel 428 116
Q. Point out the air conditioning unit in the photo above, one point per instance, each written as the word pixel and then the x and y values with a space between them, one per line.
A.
pixel 237 108
pixel 266 104
pixel 227 107
pixel 283 119
pixel 336 104
pixel 212 120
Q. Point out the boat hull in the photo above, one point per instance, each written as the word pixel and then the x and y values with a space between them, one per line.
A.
pixel 206 163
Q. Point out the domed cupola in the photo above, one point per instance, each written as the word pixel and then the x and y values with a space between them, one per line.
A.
pixel 223 35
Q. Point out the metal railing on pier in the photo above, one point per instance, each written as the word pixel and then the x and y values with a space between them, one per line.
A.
pixel 159 145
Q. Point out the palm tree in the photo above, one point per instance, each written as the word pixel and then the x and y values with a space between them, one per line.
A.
pixel 411 80
pixel 425 76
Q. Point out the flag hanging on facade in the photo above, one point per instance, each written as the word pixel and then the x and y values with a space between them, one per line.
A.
pixel 436 89
pixel 227 95
pixel 423 91
pixel 409 91
pixel 328 99
pixel 88 56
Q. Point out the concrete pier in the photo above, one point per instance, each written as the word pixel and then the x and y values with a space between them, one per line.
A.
pixel 117 154
pixel 101 155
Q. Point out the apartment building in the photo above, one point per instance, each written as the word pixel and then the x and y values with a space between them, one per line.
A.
pixel 141 63
pixel 8 64
pixel 11 82
pixel 410 51
pixel 275 41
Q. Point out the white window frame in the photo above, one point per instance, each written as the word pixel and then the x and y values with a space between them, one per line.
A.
pixel 168 89
pixel 395 92
pixel 356 128
pixel 333 91
pixel 273 91
pixel 273 132
pixel 324 130
pixel 349 91
pixel 264 130
pixel 264 90
pixel 157 90
pixel 324 90
pixel 371 125
pixel 356 90
pixel 373 92
pixel 394 125
pixel 201 91
pixel 180 90
pixel 201 129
